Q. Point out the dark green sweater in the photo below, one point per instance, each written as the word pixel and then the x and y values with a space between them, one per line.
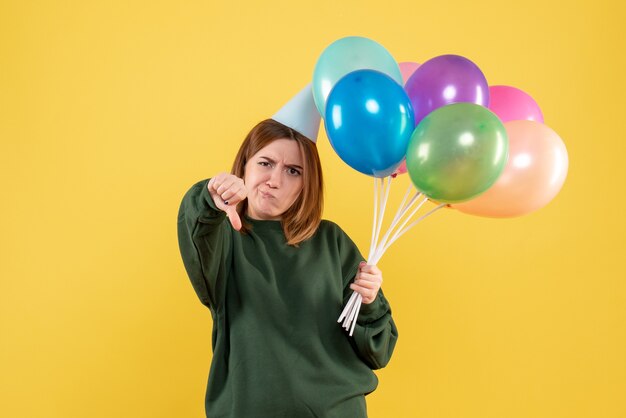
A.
pixel 278 350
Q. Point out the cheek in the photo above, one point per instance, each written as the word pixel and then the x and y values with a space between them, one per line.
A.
pixel 297 189
pixel 249 187
pixel 251 179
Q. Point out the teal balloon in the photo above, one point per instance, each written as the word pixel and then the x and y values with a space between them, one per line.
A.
pixel 345 56
pixel 457 152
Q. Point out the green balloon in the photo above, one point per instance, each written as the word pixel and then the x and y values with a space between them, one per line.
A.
pixel 457 152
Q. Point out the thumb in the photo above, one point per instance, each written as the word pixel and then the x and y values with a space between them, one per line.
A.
pixel 233 217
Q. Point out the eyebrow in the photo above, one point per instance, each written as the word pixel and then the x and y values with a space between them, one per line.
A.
pixel 274 162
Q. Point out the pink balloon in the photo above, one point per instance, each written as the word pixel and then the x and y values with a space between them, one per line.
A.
pixel 510 103
pixel 534 173
pixel 407 69
pixel 401 169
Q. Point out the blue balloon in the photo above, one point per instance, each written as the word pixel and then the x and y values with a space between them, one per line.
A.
pixel 369 121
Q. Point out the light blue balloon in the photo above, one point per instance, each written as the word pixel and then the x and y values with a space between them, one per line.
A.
pixel 345 56
pixel 369 122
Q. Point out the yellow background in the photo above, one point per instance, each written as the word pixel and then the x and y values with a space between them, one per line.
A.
pixel 110 110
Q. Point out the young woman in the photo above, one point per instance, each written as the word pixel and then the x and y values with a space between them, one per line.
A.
pixel 275 277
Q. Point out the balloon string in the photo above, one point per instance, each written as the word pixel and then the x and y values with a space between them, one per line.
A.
pixel 372 242
pixel 353 313
pixel 346 314
pixel 402 210
pixel 383 204
pixel 377 249
pixel 402 232
pixel 381 196
pixel 412 202
pixel 348 306
pixel 380 250
pixel 358 307
pixel 410 216
pixel 385 189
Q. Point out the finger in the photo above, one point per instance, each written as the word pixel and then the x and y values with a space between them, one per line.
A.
pixel 216 181
pixel 233 217
pixel 232 193
pixel 367 284
pixel 228 195
pixel 213 183
pixel 362 290
pixel 372 278
pixel 227 184
pixel 366 294
pixel 370 269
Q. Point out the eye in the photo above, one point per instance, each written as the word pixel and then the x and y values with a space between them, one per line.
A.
pixel 264 163
pixel 293 172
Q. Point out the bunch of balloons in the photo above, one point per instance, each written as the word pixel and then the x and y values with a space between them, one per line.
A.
pixel 481 149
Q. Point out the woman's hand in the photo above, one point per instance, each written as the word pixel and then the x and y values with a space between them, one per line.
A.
pixel 227 191
pixel 367 282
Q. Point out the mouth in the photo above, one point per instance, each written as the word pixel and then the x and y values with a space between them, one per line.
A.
pixel 266 195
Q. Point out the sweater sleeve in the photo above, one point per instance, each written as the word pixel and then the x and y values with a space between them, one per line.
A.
pixel 204 240
pixel 375 333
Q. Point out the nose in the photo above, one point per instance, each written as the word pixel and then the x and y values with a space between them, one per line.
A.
pixel 274 179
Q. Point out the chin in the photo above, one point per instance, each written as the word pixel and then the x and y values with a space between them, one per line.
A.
pixel 271 216
pixel 268 215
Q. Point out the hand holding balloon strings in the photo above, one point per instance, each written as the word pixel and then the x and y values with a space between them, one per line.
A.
pixel 377 249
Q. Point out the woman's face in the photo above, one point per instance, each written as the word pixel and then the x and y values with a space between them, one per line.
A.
pixel 273 178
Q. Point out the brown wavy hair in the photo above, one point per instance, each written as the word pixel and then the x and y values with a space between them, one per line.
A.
pixel 302 219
